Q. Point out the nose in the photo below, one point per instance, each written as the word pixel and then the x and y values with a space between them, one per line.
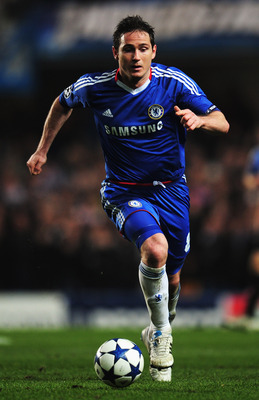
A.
pixel 136 55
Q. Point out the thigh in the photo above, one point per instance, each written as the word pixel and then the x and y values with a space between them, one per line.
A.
pixel 130 209
pixel 141 225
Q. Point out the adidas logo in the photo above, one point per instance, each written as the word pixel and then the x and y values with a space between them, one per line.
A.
pixel 108 113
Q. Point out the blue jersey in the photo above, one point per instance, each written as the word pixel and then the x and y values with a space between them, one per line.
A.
pixel 141 137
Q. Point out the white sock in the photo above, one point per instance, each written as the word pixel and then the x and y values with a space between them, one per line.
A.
pixel 154 285
pixel 172 304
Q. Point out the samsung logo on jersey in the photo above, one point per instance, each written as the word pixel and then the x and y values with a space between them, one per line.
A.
pixel 123 131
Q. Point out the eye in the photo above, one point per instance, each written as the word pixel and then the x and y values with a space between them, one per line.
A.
pixel 144 49
pixel 128 49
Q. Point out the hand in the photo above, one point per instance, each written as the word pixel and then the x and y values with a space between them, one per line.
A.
pixel 35 163
pixel 189 119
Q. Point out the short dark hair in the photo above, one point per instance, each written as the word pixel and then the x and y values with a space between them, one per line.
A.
pixel 131 24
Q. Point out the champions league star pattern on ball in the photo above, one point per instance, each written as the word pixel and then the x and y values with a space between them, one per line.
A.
pixel 140 124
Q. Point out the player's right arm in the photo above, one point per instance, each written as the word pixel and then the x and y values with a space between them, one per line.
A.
pixel 56 118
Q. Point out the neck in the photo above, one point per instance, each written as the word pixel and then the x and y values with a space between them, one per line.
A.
pixel 133 83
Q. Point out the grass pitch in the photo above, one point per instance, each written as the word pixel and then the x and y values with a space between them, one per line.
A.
pixel 214 364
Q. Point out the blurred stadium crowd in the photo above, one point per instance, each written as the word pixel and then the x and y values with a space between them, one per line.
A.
pixel 54 233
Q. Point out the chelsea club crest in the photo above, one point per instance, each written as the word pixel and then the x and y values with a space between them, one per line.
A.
pixel 155 111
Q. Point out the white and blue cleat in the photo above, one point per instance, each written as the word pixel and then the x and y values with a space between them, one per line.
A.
pixel 159 346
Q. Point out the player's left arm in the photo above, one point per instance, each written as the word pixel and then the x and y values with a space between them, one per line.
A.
pixel 215 122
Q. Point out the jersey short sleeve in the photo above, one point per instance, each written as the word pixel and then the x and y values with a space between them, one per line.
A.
pixel 75 95
pixel 190 95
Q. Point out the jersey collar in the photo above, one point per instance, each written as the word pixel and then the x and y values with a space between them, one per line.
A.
pixel 129 89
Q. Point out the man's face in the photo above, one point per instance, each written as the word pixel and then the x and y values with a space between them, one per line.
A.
pixel 134 56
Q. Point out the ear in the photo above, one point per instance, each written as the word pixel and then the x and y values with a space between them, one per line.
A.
pixel 154 51
pixel 115 53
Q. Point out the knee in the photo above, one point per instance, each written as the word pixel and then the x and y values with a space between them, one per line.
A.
pixel 154 251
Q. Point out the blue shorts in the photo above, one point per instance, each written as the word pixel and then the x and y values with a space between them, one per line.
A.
pixel 166 210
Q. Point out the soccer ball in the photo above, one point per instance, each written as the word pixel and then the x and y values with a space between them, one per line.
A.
pixel 118 362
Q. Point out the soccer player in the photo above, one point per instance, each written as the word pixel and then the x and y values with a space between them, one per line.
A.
pixel 143 112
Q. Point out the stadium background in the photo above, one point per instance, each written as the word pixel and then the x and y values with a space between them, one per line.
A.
pixel 54 236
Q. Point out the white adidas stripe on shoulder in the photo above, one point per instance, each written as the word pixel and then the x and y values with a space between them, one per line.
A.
pixel 179 76
pixel 89 80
